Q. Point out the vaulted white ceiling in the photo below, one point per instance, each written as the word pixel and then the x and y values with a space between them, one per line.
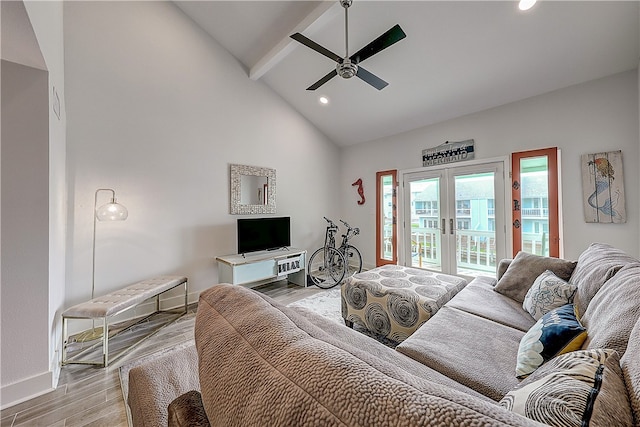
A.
pixel 458 57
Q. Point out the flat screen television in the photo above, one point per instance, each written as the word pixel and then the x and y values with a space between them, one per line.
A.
pixel 259 234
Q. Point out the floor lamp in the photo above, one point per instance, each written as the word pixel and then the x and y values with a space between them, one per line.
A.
pixel 112 211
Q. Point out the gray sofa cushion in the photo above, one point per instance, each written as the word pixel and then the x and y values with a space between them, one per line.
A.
pixel 614 311
pixel 449 344
pixel 154 385
pixel 525 268
pixel 366 348
pixel 479 298
pixel 258 366
pixel 597 264
pixel 630 364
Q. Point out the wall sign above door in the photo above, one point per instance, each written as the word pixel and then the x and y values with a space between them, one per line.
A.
pixel 449 152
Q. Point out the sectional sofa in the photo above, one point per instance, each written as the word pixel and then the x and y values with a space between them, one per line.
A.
pixel 549 341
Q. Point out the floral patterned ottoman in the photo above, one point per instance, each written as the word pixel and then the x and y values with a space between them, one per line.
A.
pixel 394 301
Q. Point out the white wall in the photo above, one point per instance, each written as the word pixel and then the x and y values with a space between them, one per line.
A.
pixel 596 116
pixel 46 19
pixel 34 293
pixel 25 237
pixel 158 110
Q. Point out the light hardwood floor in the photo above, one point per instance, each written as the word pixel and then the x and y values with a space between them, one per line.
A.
pixel 91 396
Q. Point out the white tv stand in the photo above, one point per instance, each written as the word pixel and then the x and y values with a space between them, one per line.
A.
pixel 264 267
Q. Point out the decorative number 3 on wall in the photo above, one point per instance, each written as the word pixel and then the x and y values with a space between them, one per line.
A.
pixel 358 183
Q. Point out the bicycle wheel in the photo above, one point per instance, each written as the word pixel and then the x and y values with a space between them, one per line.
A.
pixel 326 267
pixel 354 261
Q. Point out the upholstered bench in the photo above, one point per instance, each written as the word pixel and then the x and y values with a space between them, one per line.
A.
pixel 394 301
pixel 112 304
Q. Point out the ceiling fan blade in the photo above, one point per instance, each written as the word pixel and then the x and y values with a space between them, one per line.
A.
pixel 372 79
pixel 315 46
pixel 323 80
pixel 393 35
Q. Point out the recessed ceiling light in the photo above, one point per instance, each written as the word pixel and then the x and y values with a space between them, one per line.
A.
pixel 323 100
pixel 526 4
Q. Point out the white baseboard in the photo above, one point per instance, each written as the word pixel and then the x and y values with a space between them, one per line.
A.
pixel 21 391
pixel 55 366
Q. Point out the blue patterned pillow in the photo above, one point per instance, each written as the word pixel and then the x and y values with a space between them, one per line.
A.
pixel 557 332
pixel 548 292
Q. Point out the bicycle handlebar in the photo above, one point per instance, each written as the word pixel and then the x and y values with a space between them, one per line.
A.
pixel 355 230
pixel 331 223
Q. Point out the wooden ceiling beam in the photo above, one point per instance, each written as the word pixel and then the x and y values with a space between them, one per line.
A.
pixel 319 17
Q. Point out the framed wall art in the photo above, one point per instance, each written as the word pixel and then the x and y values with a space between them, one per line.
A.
pixel 603 187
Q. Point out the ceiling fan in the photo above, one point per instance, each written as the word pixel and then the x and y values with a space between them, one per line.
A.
pixel 349 66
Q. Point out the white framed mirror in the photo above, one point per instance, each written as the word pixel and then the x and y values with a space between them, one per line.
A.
pixel 253 190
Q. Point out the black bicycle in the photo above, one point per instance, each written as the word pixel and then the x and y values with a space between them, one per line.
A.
pixel 329 266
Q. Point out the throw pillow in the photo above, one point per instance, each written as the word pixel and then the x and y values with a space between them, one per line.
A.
pixel 557 332
pixel 523 270
pixel 575 389
pixel 548 292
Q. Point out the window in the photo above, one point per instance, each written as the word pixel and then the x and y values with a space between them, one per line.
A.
pixel 463 207
pixel 535 206
pixel 430 223
pixel 463 224
pixel 386 221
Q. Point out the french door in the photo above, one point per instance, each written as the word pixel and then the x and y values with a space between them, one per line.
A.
pixel 454 219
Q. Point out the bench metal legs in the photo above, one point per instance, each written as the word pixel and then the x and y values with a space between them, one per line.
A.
pixel 104 340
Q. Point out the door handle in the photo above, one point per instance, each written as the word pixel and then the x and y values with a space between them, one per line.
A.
pixel 451 229
pixel 444 226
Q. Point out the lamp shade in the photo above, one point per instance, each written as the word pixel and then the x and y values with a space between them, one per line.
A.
pixel 112 211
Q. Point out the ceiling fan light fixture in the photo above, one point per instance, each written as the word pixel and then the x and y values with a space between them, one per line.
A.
pixel 526 4
pixel 347 69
